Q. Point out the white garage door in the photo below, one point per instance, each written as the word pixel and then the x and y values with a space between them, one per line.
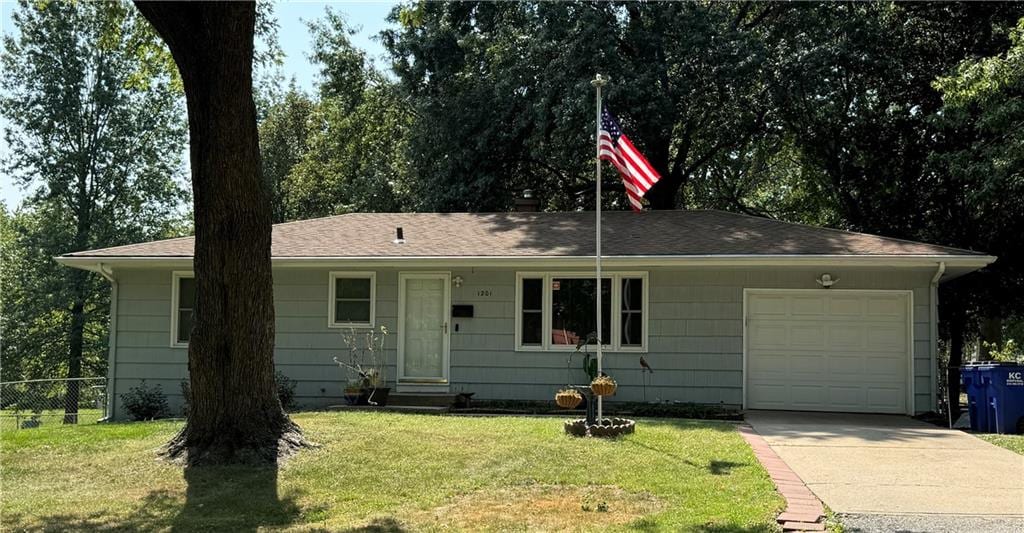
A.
pixel 831 350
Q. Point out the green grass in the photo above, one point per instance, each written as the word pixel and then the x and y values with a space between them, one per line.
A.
pixel 395 472
pixel 1014 443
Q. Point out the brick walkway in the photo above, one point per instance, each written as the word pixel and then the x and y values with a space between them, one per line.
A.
pixel 804 511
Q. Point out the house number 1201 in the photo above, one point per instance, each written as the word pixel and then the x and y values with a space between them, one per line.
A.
pixel 483 292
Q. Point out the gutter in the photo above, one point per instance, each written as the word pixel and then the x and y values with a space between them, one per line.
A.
pixel 933 308
pixel 526 261
pixel 108 273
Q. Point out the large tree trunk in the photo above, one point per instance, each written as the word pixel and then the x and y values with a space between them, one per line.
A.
pixel 991 336
pixel 75 342
pixel 234 413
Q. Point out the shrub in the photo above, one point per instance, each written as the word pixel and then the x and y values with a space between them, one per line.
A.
pixel 145 403
pixel 285 390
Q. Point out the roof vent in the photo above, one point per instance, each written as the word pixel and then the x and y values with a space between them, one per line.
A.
pixel 399 236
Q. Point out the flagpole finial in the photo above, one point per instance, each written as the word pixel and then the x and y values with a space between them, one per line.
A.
pixel 599 81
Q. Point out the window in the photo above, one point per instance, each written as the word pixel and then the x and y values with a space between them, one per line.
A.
pixel 532 314
pixel 351 302
pixel 573 313
pixel 556 311
pixel 632 312
pixel 183 298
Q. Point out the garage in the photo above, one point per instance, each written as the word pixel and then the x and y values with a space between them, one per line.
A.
pixel 828 350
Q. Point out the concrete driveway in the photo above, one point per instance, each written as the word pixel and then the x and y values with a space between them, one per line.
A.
pixel 894 465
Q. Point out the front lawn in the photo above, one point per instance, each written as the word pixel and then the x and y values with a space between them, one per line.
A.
pixel 1014 443
pixel 395 472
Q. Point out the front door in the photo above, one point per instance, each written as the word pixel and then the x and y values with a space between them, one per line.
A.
pixel 424 301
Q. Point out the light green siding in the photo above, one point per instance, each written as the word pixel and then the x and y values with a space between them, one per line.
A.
pixel 695 333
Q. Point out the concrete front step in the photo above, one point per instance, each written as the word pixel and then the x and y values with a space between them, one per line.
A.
pixel 422 399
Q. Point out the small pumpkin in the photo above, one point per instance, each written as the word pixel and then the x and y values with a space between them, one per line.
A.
pixel 568 398
pixel 603 385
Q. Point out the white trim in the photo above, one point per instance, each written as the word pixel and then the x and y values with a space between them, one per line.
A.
pixel 747 292
pixel 175 277
pixel 110 413
pixel 403 384
pixel 616 277
pixel 332 291
pixel 643 261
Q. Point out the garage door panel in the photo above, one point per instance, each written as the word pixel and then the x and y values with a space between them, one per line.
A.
pixel 893 307
pixel 887 338
pixel 769 364
pixel 807 336
pixel 845 306
pixel 889 400
pixel 807 365
pixel 768 306
pixel 807 305
pixel 828 351
pixel 850 365
pixel 766 336
pixel 845 336
pixel 845 397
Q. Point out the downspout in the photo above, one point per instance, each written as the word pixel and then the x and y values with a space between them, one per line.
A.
pixel 108 273
pixel 933 304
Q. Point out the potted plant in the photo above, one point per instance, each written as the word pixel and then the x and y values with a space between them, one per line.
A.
pixel 366 382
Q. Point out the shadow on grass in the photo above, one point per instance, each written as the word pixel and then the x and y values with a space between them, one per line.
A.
pixel 229 498
pixel 234 498
pixel 714 467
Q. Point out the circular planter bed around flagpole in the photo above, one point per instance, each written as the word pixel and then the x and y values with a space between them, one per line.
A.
pixel 611 427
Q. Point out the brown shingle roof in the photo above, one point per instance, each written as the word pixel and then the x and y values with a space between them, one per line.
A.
pixel 654 233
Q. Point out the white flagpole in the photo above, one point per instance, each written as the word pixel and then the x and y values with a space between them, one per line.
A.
pixel 598 82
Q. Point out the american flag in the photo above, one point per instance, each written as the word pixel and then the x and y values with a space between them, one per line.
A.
pixel 637 173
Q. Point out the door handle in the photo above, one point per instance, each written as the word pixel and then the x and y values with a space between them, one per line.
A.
pixel 444 327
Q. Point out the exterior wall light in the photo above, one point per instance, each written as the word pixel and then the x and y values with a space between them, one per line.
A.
pixel 457 280
pixel 826 281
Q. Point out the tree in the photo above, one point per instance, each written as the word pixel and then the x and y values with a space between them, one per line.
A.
pixel 682 75
pixel 234 411
pixel 94 130
pixel 979 179
pixel 343 149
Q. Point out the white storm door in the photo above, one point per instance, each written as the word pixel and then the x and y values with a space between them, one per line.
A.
pixel 424 301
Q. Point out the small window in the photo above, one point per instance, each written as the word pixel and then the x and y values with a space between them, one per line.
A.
pixel 533 312
pixel 184 298
pixel 352 299
pixel 632 312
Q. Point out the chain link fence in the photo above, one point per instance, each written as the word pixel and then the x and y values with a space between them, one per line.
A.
pixel 38 402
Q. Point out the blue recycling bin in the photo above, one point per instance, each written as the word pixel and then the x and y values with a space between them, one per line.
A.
pixel 995 396
pixel 974 388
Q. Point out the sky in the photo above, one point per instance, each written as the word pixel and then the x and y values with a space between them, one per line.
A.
pixel 366 16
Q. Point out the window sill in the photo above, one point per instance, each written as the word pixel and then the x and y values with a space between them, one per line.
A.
pixel 348 325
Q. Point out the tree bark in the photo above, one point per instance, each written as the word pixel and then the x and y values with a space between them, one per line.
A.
pixel 991 335
pixel 234 413
pixel 75 343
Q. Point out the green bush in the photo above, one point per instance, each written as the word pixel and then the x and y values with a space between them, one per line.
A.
pixel 285 390
pixel 145 403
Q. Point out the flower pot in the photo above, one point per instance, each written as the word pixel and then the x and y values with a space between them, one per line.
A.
pixel 352 395
pixel 568 399
pixel 603 386
pixel 378 396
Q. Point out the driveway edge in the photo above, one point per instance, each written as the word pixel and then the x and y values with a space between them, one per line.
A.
pixel 804 511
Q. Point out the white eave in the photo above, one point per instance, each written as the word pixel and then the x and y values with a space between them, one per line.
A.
pixel 967 262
